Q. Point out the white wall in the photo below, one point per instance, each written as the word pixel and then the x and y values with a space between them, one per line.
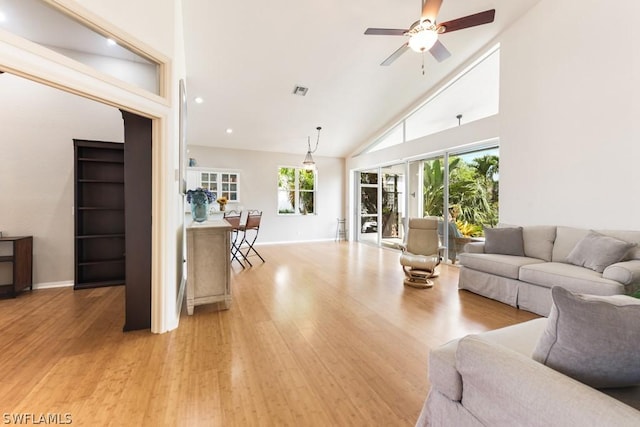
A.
pixel 568 123
pixel 153 22
pixel 569 116
pixel 36 178
pixel 259 186
pixel 150 21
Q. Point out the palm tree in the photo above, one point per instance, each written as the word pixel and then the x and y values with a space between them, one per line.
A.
pixel 434 184
pixel 471 189
pixel 488 168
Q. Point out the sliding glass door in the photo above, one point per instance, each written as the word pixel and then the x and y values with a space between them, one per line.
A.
pixel 458 187
pixel 382 205
pixel 393 205
pixel 473 197
pixel 462 190
pixel 368 206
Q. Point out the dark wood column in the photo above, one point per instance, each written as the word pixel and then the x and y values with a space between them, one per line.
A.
pixel 137 202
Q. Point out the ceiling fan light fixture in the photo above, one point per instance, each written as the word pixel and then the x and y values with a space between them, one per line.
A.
pixel 423 40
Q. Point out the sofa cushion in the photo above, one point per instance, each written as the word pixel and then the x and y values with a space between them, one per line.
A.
pixel 592 339
pixel 568 237
pixel 627 236
pixel 538 241
pixel 505 241
pixel 572 277
pixel 566 240
pixel 499 265
pixel 597 251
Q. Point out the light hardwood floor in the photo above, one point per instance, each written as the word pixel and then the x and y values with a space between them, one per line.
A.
pixel 322 334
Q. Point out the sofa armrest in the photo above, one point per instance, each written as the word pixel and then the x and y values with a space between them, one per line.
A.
pixel 625 272
pixel 474 247
pixel 502 387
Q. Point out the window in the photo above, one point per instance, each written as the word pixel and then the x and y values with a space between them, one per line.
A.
pixel 221 183
pixel 229 183
pixel 296 191
pixel 86 42
pixel 209 181
pixel 473 94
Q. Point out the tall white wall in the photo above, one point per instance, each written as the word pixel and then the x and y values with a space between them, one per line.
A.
pixel 568 122
pixel 259 190
pixel 38 126
pixel 153 22
pixel 569 110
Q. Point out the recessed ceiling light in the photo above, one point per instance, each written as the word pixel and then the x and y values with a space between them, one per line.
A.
pixel 229 130
pixel 199 100
pixel 111 42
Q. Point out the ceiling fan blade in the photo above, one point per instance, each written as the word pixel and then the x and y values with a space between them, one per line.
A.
pixel 430 10
pixel 439 51
pixel 468 21
pixel 395 55
pixel 385 32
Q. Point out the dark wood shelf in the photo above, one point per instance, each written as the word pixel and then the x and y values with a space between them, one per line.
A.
pixel 103 261
pixel 100 181
pixel 99 208
pixel 22 259
pixel 99 214
pixel 100 236
pixel 88 159
pixel 98 284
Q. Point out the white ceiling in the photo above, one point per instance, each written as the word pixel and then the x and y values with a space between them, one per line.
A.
pixel 244 58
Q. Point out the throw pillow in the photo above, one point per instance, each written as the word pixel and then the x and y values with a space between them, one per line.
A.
pixel 505 241
pixel 593 339
pixel 597 251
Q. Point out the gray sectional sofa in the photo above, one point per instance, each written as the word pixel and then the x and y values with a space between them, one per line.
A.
pixel 548 259
pixel 491 379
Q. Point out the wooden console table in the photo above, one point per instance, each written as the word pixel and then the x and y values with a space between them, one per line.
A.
pixel 208 264
pixel 22 259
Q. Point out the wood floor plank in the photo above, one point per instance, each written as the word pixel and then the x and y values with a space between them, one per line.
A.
pixel 321 334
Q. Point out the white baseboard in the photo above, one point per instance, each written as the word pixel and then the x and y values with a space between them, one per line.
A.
pixel 49 285
pixel 287 242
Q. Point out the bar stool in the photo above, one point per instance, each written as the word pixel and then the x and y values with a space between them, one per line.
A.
pixel 341 231
pixel 233 218
pixel 250 229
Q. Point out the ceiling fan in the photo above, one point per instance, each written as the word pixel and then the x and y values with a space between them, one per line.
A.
pixel 423 34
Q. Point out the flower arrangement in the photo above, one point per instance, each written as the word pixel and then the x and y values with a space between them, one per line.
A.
pixel 222 201
pixel 200 195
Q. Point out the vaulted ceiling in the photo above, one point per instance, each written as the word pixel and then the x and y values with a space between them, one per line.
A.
pixel 244 59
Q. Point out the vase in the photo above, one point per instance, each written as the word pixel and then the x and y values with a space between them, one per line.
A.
pixel 222 205
pixel 199 211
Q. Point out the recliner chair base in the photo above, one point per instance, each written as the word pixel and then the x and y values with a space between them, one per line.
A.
pixel 419 278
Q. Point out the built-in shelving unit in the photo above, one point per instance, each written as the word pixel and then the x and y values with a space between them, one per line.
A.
pixel 99 214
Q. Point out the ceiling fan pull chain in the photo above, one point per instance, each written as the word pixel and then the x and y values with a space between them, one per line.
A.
pixel 423 63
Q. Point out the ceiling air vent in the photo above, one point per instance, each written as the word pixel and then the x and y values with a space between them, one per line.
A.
pixel 300 90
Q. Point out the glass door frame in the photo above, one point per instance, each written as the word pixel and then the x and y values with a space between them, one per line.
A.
pixel 357 219
pixel 358 211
